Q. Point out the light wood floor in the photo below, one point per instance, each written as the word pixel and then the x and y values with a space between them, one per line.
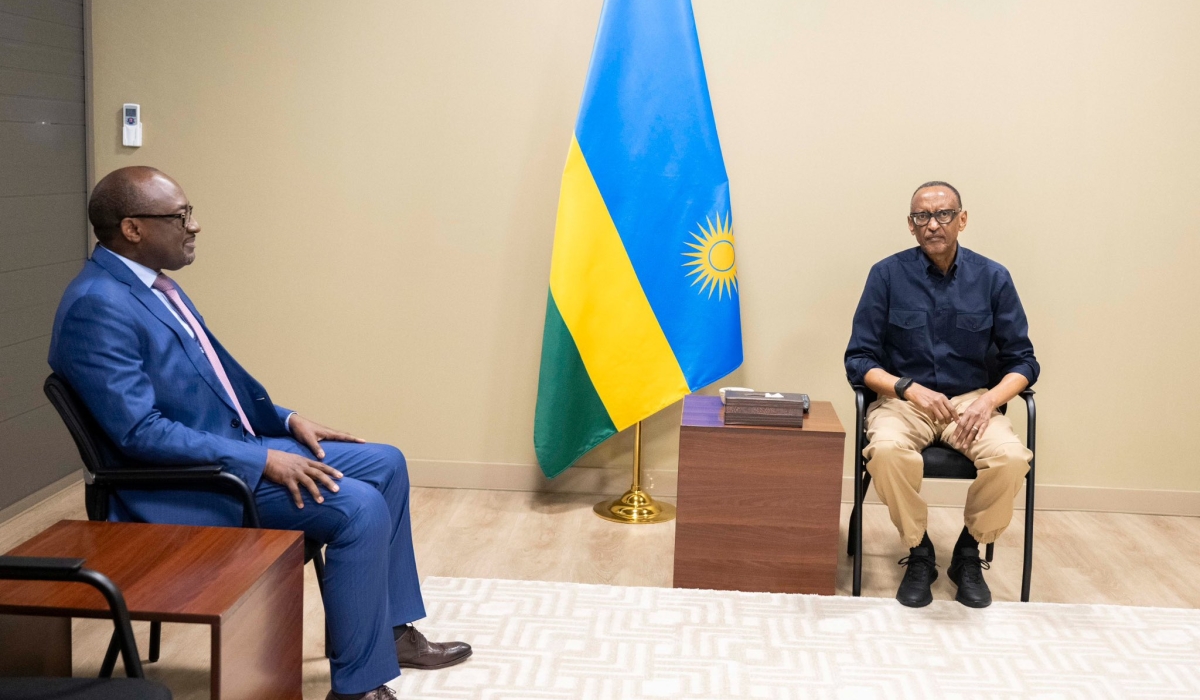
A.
pixel 1078 558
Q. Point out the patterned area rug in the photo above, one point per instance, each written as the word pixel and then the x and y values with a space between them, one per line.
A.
pixel 537 640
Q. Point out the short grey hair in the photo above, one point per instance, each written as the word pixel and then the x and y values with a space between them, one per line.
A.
pixel 939 183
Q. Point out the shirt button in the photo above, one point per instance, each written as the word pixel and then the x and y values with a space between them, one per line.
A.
pixel 235 423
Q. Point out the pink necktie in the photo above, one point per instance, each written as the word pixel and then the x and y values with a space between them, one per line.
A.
pixel 165 285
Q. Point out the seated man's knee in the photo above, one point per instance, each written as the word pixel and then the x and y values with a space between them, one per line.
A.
pixel 888 458
pixel 888 453
pixel 1014 456
pixel 365 509
pixel 384 464
pixel 394 462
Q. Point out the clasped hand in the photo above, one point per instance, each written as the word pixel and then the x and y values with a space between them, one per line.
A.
pixel 972 423
pixel 294 471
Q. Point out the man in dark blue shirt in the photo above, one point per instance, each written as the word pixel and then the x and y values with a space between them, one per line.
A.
pixel 921 341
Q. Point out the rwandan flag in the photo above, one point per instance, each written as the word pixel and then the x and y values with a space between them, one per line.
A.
pixel 643 304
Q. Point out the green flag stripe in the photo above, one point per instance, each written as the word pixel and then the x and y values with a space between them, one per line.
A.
pixel 570 418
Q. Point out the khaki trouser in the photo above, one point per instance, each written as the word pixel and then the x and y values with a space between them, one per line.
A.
pixel 897 431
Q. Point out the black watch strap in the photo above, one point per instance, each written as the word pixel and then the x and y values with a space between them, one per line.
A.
pixel 902 385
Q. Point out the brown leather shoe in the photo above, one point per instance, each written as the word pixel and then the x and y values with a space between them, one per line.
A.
pixel 381 693
pixel 413 650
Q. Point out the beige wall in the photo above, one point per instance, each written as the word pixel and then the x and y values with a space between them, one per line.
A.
pixel 377 182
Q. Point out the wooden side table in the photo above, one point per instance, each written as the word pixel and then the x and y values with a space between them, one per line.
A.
pixel 247 584
pixel 759 507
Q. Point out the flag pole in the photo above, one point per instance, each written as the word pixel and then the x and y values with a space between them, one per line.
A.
pixel 636 506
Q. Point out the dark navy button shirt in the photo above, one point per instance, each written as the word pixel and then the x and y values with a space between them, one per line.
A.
pixel 913 321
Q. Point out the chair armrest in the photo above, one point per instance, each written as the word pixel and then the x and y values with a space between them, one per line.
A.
pixel 39 568
pixel 210 477
pixel 71 570
pixel 1030 419
pixel 198 472
pixel 860 416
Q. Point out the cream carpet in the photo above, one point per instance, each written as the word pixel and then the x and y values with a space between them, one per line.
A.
pixel 537 640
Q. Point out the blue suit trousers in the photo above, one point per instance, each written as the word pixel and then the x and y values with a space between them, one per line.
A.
pixel 371 582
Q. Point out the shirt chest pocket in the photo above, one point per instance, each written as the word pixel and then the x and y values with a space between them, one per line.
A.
pixel 973 334
pixel 907 328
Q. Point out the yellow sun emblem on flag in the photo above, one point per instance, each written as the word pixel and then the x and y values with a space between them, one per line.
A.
pixel 715 264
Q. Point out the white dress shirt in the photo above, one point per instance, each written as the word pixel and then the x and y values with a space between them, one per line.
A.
pixel 147 276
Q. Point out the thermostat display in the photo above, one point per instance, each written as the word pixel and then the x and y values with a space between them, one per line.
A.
pixel 131 129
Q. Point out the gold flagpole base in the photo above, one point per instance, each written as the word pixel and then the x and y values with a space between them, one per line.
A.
pixel 635 507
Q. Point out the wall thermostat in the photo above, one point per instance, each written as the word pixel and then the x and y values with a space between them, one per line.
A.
pixel 131 125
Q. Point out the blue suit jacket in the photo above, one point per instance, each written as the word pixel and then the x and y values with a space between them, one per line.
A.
pixel 155 394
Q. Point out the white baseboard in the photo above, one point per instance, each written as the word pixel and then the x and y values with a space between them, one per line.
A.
pixel 662 482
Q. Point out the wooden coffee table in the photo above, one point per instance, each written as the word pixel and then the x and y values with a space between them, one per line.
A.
pixel 247 584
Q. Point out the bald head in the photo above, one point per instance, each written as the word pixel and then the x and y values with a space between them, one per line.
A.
pixel 141 213
pixel 120 194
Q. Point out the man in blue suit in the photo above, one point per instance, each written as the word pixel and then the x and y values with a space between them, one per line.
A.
pixel 162 387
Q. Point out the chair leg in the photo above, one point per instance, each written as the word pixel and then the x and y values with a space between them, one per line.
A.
pixel 987 555
pixel 319 566
pixel 155 640
pixel 1027 568
pixel 851 545
pixel 855 538
pixel 110 657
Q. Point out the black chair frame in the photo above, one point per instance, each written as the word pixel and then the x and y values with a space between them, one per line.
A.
pixel 951 465
pixel 71 570
pixel 105 471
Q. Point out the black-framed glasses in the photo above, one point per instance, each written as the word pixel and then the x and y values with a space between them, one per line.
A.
pixel 184 216
pixel 943 216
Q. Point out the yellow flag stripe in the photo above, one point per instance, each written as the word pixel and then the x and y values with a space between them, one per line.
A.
pixel 602 303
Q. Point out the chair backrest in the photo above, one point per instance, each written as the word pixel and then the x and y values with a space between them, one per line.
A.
pixel 96 450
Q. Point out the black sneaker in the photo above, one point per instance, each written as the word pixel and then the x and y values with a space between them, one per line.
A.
pixel 915 590
pixel 966 571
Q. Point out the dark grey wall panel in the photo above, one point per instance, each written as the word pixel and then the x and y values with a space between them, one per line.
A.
pixel 36 451
pixel 36 109
pixel 23 83
pixel 43 231
pixel 21 381
pixel 41 59
pixel 27 30
pixel 39 231
pixel 36 285
pixel 41 159
pixel 65 12
pixel 26 323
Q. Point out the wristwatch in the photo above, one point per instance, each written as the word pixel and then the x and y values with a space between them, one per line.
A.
pixel 902 385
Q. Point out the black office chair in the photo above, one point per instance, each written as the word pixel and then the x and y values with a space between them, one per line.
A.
pixel 941 462
pixel 133 687
pixel 105 470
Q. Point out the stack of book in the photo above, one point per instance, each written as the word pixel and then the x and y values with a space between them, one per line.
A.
pixel 765 408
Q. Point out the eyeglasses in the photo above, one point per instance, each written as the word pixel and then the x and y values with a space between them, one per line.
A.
pixel 184 216
pixel 943 216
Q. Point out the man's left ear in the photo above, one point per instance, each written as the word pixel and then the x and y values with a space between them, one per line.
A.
pixel 130 231
pixel 962 219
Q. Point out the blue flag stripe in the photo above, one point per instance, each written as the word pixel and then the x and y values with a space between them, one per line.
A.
pixel 647 131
